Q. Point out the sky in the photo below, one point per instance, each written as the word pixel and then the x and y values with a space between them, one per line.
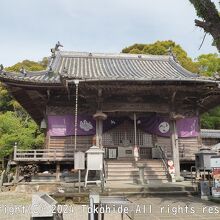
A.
pixel 29 28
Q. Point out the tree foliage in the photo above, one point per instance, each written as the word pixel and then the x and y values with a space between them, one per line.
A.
pixel 29 65
pixel 208 64
pixel 211 119
pixel 14 129
pixel 162 48
pixel 5 100
pixel 207 11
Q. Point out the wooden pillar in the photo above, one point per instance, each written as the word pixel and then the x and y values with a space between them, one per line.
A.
pixel 199 138
pixel 98 132
pixel 175 147
pixel 99 116
pixel 58 171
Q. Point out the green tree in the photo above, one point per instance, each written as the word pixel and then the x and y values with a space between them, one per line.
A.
pixel 207 11
pixel 5 100
pixel 162 48
pixel 14 129
pixel 211 119
pixel 29 65
pixel 208 64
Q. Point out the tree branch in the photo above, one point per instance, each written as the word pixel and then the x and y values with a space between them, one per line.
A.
pixel 208 12
pixel 205 25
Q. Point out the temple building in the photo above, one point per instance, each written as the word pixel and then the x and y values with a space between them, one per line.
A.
pixel 122 101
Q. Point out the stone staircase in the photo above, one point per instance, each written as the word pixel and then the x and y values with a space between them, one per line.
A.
pixel 128 171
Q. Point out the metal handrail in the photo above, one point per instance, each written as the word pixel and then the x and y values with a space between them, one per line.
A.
pixel 164 158
pixel 105 171
pixel 191 172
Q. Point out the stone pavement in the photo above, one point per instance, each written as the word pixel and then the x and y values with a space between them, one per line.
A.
pixel 151 188
pixel 176 207
pixel 154 207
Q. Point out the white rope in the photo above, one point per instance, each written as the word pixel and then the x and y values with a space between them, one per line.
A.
pixel 76 112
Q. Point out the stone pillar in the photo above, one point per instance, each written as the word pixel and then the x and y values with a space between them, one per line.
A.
pixel 15 151
pixel 17 173
pixel 175 147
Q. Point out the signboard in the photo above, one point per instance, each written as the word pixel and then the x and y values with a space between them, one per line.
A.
pixel 215 162
pixel 79 160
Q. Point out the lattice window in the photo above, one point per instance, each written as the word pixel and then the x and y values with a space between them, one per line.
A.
pixel 123 135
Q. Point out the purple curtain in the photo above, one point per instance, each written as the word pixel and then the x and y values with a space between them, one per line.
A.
pixel 60 125
pixel 155 125
pixel 64 125
pixel 187 127
pixel 112 122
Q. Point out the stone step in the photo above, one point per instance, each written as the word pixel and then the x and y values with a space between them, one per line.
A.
pixel 136 173
pixel 163 177
pixel 131 160
pixel 129 171
pixel 124 169
pixel 130 165
pixel 135 164
pixel 124 181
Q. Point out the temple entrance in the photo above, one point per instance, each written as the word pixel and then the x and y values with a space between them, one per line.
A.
pixel 119 142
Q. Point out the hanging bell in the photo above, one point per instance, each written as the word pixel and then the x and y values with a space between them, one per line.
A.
pixel 43 124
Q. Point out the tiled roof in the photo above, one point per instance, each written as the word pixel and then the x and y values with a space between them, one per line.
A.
pixel 210 133
pixel 41 77
pixel 108 67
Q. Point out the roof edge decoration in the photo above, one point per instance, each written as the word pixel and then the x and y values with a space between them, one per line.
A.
pixel 105 67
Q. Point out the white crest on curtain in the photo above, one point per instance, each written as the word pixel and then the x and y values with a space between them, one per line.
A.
pixel 86 125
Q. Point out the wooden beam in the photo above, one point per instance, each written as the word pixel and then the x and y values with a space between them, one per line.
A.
pixel 135 107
